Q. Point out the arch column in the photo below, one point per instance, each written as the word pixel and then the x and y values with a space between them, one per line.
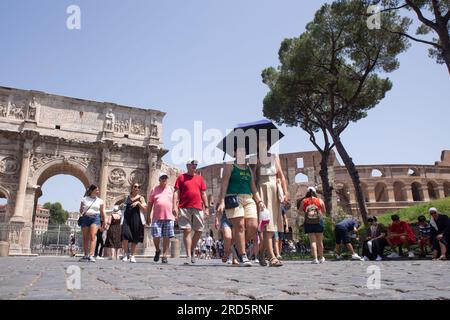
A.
pixel 371 192
pixel 409 194
pixel 106 157
pixel 391 193
pixel 439 191
pixel 20 226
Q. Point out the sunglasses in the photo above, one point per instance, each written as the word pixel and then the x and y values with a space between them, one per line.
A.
pixel 136 187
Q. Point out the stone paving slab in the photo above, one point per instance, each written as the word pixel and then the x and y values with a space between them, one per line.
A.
pixel 45 278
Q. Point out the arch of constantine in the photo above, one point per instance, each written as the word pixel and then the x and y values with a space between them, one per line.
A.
pixel 43 135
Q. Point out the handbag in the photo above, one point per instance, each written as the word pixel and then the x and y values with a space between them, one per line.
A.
pixel 80 217
pixel 231 201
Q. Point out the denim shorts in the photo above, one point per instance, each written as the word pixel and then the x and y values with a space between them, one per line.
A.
pixel 225 223
pixel 87 221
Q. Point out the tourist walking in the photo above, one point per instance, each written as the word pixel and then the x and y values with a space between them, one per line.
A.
pixel 190 205
pixel 424 235
pixel 133 223
pixel 225 226
pixel 313 209
pixel 237 199
pixel 100 244
pixel 92 217
pixel 273 190
pixel 161 218
pixel 113 235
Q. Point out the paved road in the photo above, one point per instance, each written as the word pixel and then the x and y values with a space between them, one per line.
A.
pixel 45 278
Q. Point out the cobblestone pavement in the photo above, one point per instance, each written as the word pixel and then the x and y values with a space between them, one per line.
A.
pixel 45 278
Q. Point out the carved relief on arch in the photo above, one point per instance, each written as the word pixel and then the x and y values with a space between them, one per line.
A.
pixel 137 176
pixel 9 165
pixel 117 176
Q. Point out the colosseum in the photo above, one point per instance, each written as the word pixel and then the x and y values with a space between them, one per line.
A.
pixel 386 187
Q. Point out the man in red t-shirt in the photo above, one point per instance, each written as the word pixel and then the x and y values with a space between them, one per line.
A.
pixel 400 233
pixel 188 203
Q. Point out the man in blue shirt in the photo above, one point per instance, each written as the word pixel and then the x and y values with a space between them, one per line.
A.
pixel 342 231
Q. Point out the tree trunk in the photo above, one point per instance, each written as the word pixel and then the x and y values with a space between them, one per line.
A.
pixel 353 175
pixel 446 55
pixel 327 191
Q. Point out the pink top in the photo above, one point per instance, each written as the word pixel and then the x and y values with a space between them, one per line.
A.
pixel 162 203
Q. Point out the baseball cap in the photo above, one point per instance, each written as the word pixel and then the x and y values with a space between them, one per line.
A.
pixel 433 209
pixel 163 174
pixel 312 189
pixel 192 161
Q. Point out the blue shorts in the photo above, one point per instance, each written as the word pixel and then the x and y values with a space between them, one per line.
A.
pixel 163 228
pixel 87 221
pixel 276 236
pixel 225 223
pixel 342 236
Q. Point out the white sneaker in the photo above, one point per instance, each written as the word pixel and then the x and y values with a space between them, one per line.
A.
pixel 339 257
pixel 245 262
pixel 230 259
pixel 125 258
pixel 132 259
pixel 91 259
pixel 100 258
pixel 393 255
pixel 355 256
pixel 322 260
pixel 379 258
pixel 188 261
pixel 410 254
pixel 315 261
pixel 366 258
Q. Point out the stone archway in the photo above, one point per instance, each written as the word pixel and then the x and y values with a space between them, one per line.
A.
pixel 381 193
pixel 100 143
pixel 399 191
pixel 433 191
pixel 417 192
pixel 447 189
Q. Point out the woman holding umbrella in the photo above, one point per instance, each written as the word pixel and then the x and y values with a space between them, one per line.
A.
pixel 241 202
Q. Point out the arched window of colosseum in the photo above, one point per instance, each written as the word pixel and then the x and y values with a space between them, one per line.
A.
pixel 376 173
pixel 365 190
pixel 399 191
pixel 300 164
pixel 221 173
pixel 413 172
pixel 301 178
pixel 381 194
pixel 417 191
pixel 432 187
pixel 343 199
pixel 447 189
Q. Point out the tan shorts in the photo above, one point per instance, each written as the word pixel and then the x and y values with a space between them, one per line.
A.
pixel 191 218
pixel 246 209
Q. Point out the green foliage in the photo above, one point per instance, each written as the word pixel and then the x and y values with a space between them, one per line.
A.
pixel 57 214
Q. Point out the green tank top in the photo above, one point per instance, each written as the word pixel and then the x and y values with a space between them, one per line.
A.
pixel 240 180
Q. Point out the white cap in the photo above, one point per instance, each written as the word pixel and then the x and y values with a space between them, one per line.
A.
pixel 116 208
pixel 163 174
pixel 432 209
pixel 312 189
pixel 192 161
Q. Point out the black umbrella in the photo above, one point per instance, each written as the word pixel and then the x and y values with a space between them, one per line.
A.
pixel 249 135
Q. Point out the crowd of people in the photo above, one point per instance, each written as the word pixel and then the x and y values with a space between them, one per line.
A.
pixel 251 219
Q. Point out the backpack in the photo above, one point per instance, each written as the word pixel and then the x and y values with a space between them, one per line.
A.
pixel 312 214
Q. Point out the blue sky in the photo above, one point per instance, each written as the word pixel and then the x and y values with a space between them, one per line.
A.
pixel 202 60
